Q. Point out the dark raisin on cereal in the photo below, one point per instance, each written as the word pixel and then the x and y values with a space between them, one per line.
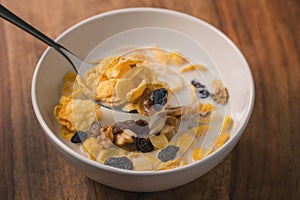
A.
pixel 168 153
pixel 158 98
pixel 143 144
pixel 204 93
pixel 119 162
pixel 133 111
pixel 79 137
pixel 116 129
pixel 141 123
pixel 197 84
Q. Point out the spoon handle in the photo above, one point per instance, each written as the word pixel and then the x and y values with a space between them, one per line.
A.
pixel 11 17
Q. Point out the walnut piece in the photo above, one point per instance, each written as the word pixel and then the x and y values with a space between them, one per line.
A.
pixel 221 96
pixel 125 137
pixel 106 137
pixel 221 93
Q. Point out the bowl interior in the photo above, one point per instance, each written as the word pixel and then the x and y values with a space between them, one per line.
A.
pixel 100 35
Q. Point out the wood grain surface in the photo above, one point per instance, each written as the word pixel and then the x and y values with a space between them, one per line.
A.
pixel 265 164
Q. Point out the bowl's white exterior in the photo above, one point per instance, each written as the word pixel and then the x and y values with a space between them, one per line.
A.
pixel 83 37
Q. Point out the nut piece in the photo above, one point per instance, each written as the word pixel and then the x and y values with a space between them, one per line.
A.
pixel 126 137
pixel 107 131
pixel 106 137
pixel 221 93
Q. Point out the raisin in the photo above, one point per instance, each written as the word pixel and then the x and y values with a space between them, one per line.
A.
pixel 143 144
pixel 168 153
pixel 79 137
pixel 197 84
pixel 141 122
pixel 204 93
pixel 133 111
pixel 119 162
pixel 116 129
pixel 159 98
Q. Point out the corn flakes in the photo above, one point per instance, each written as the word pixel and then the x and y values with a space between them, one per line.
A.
pixel 105 90
pixel 159 141
pixel 84 113
pixel 92 147
pixel 193 67
pixel 132 82
pixel 221 139
pixel 185 141
pixel 228 123
pixel 143 161
pixel 110 152
pixel 64 112
pixel 176 59
pixel 178 162
pixel 198 153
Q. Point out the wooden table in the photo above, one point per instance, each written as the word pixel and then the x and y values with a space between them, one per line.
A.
pixel 265 164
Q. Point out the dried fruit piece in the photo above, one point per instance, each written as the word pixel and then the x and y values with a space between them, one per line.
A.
pixel 79 137
pixel 168 153
pixel 143 144
pixel 119 162
pixel 154 99
pixel 159 98
pixel 203 93
pixel 159 141
pixel 171 164
pixel 197 84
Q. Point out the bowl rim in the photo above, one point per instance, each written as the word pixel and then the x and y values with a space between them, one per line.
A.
pixel 76 155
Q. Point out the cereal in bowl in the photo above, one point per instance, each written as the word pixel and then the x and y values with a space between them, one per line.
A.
pixel 136 83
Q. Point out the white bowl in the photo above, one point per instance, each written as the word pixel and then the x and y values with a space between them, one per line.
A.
pixel 178 31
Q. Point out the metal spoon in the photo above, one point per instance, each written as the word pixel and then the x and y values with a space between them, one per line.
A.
pixel 74 60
